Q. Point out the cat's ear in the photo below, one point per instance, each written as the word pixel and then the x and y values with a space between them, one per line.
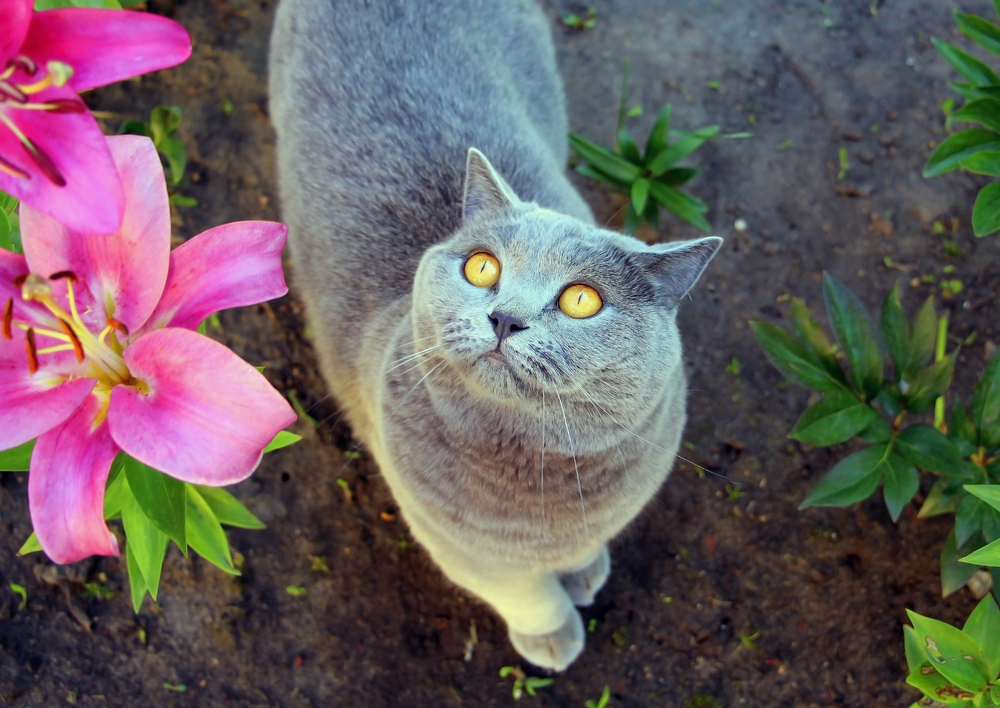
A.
pixel 485 189
pixel 676 267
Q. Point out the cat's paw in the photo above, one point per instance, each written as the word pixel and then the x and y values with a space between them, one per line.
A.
pixel 582 585
pixel 555 650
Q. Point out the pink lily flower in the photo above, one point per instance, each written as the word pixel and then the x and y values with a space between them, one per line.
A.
pixel 52 152
pixel 99 353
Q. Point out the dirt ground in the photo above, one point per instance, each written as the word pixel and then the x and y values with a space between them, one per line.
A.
pixel 713 600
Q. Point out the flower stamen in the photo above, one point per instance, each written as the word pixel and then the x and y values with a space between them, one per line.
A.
pixel 59 73
pixel 22 62
pixel 41 160
pixel 67 274
pixel 31 351
pixel 10 169
pixel 117 326
pixel 74 340
pixel 8 317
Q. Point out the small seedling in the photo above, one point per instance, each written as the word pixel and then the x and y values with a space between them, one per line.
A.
pixel 844 164
pixel 592 625
pixel 19 589
pixel 175 687
pixel 748 642
pixel 346 488
pixel 601 702
pixel 96 591
pixel 650 178
pixel 522 683
pixel 319 564
pixel 586 22
pixel 787 145
pixel 734 367
pixel 733 492
pixel 297 590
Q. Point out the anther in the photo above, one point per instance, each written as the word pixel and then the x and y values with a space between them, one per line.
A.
pixel 77 346
pixel 19 280
pixel 24 63
pixel 117 326
pixel 10 168
pixel 64 105
pixel 13 92
pixel 8 317
pixel 31 351
pixel 68 274
pixel 45 163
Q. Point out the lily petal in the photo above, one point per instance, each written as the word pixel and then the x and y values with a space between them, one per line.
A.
pixel 16 16
pixel 208 414
pixel 74 179
pixel 12 267
pixel 233 265
pixel 69 470
pixel 105 46
pixel 124 272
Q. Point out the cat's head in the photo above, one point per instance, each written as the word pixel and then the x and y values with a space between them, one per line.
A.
pixel 523 300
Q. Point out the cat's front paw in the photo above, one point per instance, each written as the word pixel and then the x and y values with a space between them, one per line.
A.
pixel 555 650
pixel 582 585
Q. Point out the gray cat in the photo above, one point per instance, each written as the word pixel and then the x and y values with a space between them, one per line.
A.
pixel 514 369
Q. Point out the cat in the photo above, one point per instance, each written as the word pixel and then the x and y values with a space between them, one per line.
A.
pixel 514 369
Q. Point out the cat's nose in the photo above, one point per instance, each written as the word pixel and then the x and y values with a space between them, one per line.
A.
pixel 505 325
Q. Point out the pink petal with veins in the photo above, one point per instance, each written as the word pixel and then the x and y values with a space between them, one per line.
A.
pixel 73 152
pixel 207 415
pixel 229 266
pixel 124 272
pixel 105 46
pixel 16 16
pixel 69 470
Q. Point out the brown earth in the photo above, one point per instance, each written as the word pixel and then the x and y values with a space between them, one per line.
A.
pixel 716 598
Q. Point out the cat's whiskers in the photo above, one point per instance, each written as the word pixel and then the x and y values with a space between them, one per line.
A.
pixel 602 413
pixel 654 445
pixel 414 388
pixel 572 449
pixel 403 360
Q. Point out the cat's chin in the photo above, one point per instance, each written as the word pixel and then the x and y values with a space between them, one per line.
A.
pixel 497 377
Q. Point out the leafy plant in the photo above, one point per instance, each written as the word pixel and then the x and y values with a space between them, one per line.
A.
pixel 601 702
pixel 956 666
pixel 164 121
pixel 886 412
pixel 974 149
pixel 10 231
pixel 651 177
pixel 522 682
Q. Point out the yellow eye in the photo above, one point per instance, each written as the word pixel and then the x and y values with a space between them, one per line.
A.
pixel 482 270
pixel 580 301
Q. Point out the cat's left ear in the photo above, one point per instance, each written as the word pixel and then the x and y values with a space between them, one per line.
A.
pixel 676 266
pixel 485 190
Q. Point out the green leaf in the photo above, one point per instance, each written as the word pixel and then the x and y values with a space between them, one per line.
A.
pixel 923 337
pixel 632 220
pixel 204 534
pixel 791 358
pixel 658 135
pixel 930 383
pixel 989 493
pixel 605 160
pixel 968 519
pixel 852 479
pixel 954 573
pixel 173 150
pixel 953 653
pixel 927 679
pixel 927 448
pixel 839 416
pixel 983 163
pixel 986 212
pixel 640 190
pixel 895 330
pixel 147 543
pixel 812 337
pixel 855 331
pixel 163 123
pixel 30 546
pixel 135 579
pixel 986 399
pixel 683 205
pixel 940 500
pixel 282 439
pixel 135 127
pixel 161 498
pixel 17 459
pixel 181 200
pixel 114 493
pixel 960 424
pixel 228 509
pixel 983 626
pixel 915 654
pixel 676 176
pixel 956 148
pixel 975 72
pixel 987 555
pixel 981 31
pixel 629 150
pixel 878 431
pixel 683 147
pixel 985 111
pixel 592 172
pixel 899 485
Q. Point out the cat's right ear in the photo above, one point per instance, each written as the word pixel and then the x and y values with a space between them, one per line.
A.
pixel 485 190
pixel 676 266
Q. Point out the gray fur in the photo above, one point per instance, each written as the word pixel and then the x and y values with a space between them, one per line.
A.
pixel 513 470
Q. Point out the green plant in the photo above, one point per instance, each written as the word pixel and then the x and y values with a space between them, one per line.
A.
pixel 586 22
pixel 164 121
pixel 650 178
pixel 952 666
pixel 974 149
pixel 888 414
pixel 523 683
pixel 601 702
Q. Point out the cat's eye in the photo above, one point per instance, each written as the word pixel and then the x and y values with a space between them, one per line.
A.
pixel 482 270
pixel 580 301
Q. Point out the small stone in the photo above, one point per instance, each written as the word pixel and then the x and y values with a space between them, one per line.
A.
pixel 740 225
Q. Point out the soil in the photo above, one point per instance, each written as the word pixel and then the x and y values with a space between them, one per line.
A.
pixel 716 597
